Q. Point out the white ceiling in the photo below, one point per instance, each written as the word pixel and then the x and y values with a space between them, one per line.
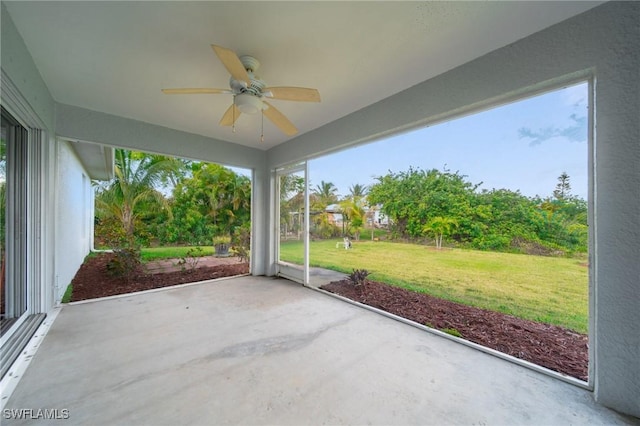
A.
pixel 114 57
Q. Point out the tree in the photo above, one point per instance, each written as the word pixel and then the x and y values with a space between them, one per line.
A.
pixel 133 191
pixel 214 201
pixel 320 198
pixel 440 227
pixel 358 191
pixel 563 188
pixel 292 189
pixel 353 216
pixel 353 209
pixel 446 205
pixel 412 198
pixel 228 196
pixel 326 193
pixel 499 217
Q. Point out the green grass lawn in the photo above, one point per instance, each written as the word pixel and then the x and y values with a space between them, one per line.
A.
pixel 157 253
pixel 551 290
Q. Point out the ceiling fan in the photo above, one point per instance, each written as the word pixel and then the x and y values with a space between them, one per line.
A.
pixel 249 92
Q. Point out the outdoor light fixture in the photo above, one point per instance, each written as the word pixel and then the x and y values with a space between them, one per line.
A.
pixel 249 104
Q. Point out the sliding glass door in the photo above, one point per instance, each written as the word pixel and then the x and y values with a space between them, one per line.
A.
pixel 13 224
pixel 292 205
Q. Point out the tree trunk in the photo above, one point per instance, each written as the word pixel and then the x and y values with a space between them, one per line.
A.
pixel 127 221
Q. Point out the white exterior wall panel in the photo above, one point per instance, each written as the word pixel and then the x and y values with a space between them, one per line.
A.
pixel 73 213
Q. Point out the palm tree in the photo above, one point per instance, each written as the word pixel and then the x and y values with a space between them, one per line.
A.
pixel 326 193
pixel 229 195
pixel 440 226
pixel 136 177
pixel 353 215
pixel 321 197
pixel 353 209
pixel 357 191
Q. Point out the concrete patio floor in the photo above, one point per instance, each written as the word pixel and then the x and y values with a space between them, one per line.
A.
pixel 257 350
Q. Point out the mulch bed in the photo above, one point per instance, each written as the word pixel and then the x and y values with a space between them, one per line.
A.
pixel 93 280
pixel 553 347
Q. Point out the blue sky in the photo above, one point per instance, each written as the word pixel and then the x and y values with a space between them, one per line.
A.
pixel 521 146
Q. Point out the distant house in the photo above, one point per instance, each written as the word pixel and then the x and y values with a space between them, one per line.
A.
pixel 374 216
pixel 378 218
pixel 334 214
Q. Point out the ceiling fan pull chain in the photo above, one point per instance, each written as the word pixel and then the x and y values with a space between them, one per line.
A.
pixel 262 129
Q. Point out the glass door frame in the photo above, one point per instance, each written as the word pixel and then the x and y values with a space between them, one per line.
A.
pixel 284 269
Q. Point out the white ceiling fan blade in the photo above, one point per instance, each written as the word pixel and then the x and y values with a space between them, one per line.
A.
pixel 230 116
pixel 279 120
pixel 232 63
pixel 196 91
pixel 302 94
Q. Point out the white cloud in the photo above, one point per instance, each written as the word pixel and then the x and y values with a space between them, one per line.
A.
pixel 575 132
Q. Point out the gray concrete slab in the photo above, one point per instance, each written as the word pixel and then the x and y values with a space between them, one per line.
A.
pixel 256 350
pixel 321 276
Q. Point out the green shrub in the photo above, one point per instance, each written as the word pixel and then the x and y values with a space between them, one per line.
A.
pixel 190 260
pixel 359 277
pixel 241 242
pixel 125 263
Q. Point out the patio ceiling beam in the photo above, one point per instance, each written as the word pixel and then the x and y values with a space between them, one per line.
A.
pixel 81 124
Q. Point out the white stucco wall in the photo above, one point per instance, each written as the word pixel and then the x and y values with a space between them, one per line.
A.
pixel 73 212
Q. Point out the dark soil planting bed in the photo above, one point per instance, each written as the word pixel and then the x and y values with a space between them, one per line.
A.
pixel 93 280
pixel 549 346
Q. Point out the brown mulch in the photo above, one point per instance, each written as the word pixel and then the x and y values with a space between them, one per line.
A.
pixel 553 347
pixel 93 280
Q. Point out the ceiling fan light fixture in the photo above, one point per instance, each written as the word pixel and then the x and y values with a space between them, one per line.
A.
pixel 248 104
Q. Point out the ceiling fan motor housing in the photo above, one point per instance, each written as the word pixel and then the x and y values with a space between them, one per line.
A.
pixel 255 88
pixel 256 85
